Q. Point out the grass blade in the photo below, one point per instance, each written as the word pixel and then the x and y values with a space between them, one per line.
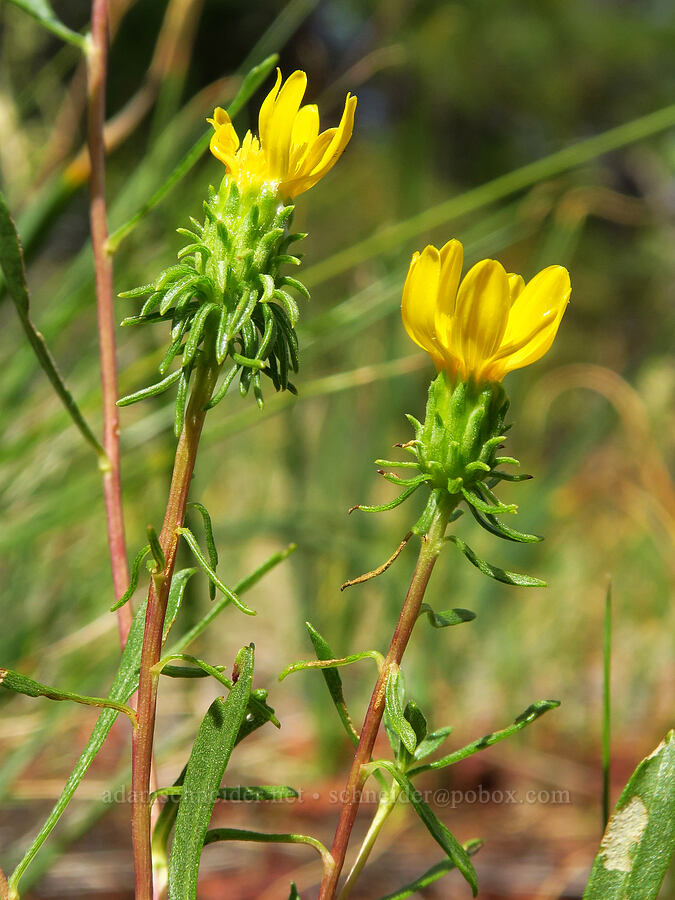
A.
pixel 11 262
pixel 41 11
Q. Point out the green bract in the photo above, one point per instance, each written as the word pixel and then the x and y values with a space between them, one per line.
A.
pixel 227 297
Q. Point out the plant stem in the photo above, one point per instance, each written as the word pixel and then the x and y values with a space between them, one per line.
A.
pixel 112 488
pixel 388 800
pixel 431 547
pixel 186 453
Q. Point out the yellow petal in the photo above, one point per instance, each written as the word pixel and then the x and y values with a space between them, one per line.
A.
pixel 452 259
pixel 418 305
pixel 265 114
pixel 481 314
pixel 224 141
pixel 536 315
pixel 322 156
pixel 547 291
pixel 306 126
pixel 516 285
pixel 276 139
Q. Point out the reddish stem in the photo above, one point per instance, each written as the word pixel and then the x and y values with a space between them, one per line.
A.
pixel 112 488
pixel 431 547
pixel 186 454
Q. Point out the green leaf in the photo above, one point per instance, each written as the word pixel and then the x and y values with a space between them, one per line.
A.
pixel 494 571
pixel 432 742
pixel 447 616
pixel 249 86
pixel 191 540
pixel 261 837
pixel 638 845
pixel 432 874
pixel 239 793
pixel 133 579
pixel 294 895
pixel 394 708
pixel 255 705
pixel 525 718
pixel 303 664
pixel 333 682
pixel 205 769
pixel 176 591
pixel 210 542
pixel 22 684
pixel 11 262
pixel 45 15
pixel 124 685
pixel 152 391
pixel 440 833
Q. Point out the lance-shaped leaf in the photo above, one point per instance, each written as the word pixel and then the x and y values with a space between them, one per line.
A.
pixel 210 542
pixel 45 15
pixel 11 262
pixel 123 686
pixel 638 844
pixel 394 696
pixel 294 895
pixel 440 833
pixel 205 769
pixel 333 682
pixel 525 718
pixel 446 617
pixel 22 684
pixel 432 742
pixel 191 540
pixel 494 571
pixel 432 874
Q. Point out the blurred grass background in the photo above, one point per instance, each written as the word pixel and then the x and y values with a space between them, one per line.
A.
pixel 451 95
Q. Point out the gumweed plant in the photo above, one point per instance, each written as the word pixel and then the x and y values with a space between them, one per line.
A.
pixel 476 330
pixel 229 307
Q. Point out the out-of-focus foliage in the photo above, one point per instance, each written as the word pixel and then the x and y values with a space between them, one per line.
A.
pixel 451 95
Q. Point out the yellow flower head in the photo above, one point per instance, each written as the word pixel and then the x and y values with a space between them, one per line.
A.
pixel 290 154
pixel 489 324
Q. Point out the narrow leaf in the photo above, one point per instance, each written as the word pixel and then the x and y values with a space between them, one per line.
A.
pixel 151 391
pixel 124 685
pixel 638 844
pixel 11 262
pixel 494 571
pixel 42 11
pixel 432 742
pixel 303 664
pixel 133 578
pixel 525 718
pixel 447 616
pixel 394 709
pixel 199 556
pixel 22 684
pixel 244 585
pixel 440 833
pixel 432 874
pixel 205 769
pixel 333 682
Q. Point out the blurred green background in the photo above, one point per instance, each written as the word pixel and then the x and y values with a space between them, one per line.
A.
pixel 451 96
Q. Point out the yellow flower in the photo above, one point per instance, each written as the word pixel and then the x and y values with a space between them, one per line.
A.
pixel 290 154
pixel 489 324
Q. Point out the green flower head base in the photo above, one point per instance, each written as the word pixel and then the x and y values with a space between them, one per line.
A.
pixel 228 297
pixel 456 454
